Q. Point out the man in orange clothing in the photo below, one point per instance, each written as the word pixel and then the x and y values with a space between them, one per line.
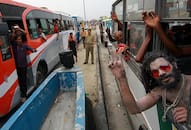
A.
pixel 83 36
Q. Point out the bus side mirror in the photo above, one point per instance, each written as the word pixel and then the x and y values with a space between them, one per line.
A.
pixel 4 29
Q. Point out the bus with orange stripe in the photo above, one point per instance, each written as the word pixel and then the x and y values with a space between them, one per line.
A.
pixel 29 18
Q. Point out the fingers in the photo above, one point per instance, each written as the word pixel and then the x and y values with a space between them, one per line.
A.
pixel 144 13
pixel 152 14
pixel 180 114
pixel 110 65
pixel 115 63
pixel 149 14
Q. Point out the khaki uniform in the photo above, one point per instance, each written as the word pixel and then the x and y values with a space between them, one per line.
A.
pixel 89 45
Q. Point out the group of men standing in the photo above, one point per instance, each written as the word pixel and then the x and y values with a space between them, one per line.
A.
pixel 88 39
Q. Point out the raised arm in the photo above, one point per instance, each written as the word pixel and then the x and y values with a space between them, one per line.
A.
pixel 116 67
pixel 115 18
pixel 144 45
pixel 118 71
pixel 30 48
pixel 153 20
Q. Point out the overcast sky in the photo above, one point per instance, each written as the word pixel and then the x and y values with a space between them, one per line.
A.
pixel 93 8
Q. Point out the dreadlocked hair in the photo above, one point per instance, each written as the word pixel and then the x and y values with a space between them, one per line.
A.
pixel 149 81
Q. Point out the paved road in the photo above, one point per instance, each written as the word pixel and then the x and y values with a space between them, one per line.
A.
pixel 89 73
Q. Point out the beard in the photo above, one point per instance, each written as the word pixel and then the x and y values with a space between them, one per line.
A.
pixel 175 75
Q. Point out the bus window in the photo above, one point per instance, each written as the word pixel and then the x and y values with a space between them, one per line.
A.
pixel 180 34
pixel 176 8
pixel 137 35
pixel 135 7
pixel 32 26
pixel 64 25
pixel 1 42
pixel 119 10
pixel 50 26
pixel 44 26
pixel 70 25
pixel 5 48
pixel 132 6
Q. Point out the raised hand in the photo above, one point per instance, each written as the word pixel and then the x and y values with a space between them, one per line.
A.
pixel 114 16
pixel 116 66
pixel 151 19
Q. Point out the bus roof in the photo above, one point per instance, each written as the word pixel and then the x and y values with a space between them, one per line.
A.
pixel 29 7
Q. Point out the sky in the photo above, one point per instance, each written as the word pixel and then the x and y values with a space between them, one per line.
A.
pixel 93 8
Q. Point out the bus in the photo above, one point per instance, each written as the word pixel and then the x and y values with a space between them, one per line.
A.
pixel 107 23
pixel 79 24
pixel 176 19
pixel 29 18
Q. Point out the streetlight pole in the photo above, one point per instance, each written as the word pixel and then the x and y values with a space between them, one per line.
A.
pixel 84 9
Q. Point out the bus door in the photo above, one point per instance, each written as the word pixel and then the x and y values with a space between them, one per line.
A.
pixel 8 75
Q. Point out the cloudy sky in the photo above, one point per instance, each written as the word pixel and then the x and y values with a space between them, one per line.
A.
pixel 93 8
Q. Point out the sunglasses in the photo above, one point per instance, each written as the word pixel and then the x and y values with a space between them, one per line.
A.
pixel 165 68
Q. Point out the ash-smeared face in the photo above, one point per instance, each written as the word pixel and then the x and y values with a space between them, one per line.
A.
pixel 166 74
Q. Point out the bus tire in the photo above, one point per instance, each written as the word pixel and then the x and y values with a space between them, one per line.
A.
pixel 41 74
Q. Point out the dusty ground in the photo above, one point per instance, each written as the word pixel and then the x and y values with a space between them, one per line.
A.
pixel 89 73
pixel 115 112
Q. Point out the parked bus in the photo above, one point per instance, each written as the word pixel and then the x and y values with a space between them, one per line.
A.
pixel 175 18
pixel 29 18
pixel 79 24
pixel 107 23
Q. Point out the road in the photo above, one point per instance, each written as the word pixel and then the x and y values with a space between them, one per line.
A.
pixel 101 88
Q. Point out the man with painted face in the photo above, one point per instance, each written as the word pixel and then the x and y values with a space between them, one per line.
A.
pixel 163 80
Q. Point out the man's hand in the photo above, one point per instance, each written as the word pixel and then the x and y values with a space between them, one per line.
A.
pixel 151 19
pixel 116 66
pixel 114 17
pixel 180 114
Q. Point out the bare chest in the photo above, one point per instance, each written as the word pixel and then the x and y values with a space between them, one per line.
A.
pixel 179 94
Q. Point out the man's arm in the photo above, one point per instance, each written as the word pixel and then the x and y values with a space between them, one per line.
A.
pixel 144 46
pixel 20 29
pixel 30 48
pixel 115 18
pixel 127 96
pixel 43 36
pixel 153 20
pixel 133 106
